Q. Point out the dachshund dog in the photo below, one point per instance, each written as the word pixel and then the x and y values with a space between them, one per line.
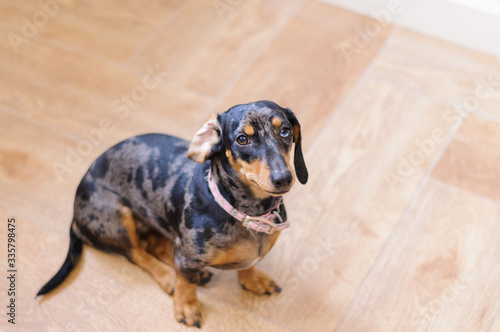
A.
pixel 174 207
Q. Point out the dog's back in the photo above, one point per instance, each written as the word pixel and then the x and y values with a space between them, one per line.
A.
pixel 151 168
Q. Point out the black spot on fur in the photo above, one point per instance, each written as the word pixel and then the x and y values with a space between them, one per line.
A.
pixel 232 184
pixel 139 177
pixel 202 238
pixel 85 196
pixel 177 198
pixel 125 202
pixel 200 244
pixel 168 217
pixel 191 275
pixel 267 203
pixel 163 223
pixel 100 167
pixel 189 223
pixel 157 173
pixel 86 188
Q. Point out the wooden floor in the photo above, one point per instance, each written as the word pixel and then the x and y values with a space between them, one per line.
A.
pixel 398 228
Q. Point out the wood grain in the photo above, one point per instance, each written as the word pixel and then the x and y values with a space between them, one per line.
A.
pixel 472 160
pixel 496 325
pixel 459 77
pixel 93 92
pixel 438 270
pixel 305 68
pixel 31 186
pixel 121 26
pixel 205 48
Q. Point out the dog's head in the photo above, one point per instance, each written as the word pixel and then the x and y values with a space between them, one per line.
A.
pixel 256 139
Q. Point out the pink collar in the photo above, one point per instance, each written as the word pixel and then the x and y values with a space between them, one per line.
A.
pixel 264 223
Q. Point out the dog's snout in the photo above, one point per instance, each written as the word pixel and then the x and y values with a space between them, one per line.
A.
pixel 281 179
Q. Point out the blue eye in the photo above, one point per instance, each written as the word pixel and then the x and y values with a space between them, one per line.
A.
pixel 285 132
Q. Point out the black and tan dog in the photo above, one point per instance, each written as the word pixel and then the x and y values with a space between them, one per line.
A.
pixel 145 199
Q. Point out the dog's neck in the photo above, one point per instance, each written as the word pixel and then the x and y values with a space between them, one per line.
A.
pixel 236 192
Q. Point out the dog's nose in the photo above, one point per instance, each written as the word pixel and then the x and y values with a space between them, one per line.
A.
pixel 281 179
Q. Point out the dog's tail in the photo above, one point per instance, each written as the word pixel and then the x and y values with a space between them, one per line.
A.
pixel 74 254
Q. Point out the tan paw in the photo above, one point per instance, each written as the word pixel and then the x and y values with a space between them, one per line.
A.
pixel 186 304
pixel 257 282
pixel 167 281
pixel 188 312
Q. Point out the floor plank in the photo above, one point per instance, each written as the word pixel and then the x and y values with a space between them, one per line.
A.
pixel 496 325
pixel 305 68
pixel 33 185
pixel 472 160
pixel 440 263
pixel 111 29
pixel 462 78
pixel 93 92
pixel 347 210
pixel 210 43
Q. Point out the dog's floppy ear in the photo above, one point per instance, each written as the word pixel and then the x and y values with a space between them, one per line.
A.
pixel 299 163
pixel 206 140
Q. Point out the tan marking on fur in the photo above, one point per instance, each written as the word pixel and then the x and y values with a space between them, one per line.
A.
pixel 127 220
pixel 249 130
pixel 163 274
pixel 162 248
pixel 267 246
pixel 235 165
pixel 242 253
pixel 296 132
pixel 186 304
pixel 256 281
pixel 277 122
pixel 257 175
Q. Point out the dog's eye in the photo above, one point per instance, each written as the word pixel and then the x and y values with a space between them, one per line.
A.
pixel 285 132
pixel 242 140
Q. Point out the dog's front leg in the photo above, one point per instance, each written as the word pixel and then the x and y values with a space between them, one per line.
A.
pixel 186 304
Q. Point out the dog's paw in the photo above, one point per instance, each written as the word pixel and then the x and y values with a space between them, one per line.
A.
pixel 168 288
pixel 188 312
pixel 167 282
pixel 258 282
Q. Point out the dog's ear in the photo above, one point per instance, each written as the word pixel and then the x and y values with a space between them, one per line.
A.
pixel 299 163
pixel 206 140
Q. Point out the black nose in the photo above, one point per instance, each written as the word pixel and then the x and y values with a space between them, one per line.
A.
pixel 281 179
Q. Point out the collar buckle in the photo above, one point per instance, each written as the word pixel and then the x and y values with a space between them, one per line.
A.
pixel 263 224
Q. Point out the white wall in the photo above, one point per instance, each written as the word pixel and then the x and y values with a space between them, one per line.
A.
pixel 471 23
